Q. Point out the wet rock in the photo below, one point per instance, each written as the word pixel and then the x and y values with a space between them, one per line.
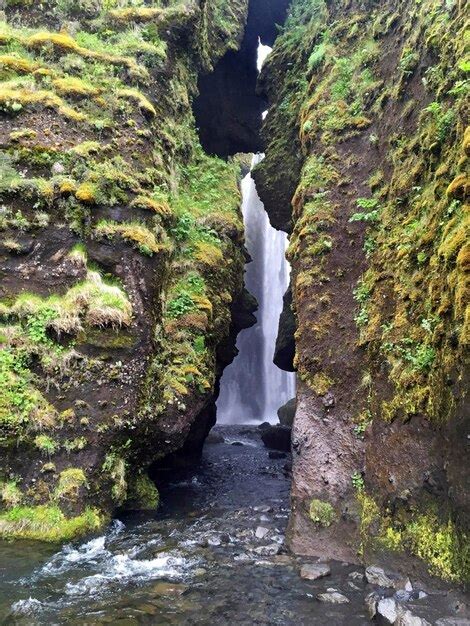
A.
pixel 214 438
pixel 356 576
pixel 314 571
pixel 377 576
pixel 276 454
pixel 332 596
pixel 261 532
pixel 371 601
pixel 406 618
pixel 262 509
pixel 264 425
pixel 277 438
pixel 269 550
pixel 163 588
pixel 286 413
pixel 387 611
pixel 199 571
pixel 453 621
pixel 237 443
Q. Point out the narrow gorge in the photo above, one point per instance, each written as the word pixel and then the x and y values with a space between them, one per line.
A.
pixel 234 312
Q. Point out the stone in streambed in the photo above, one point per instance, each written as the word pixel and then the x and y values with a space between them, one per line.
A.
pixel 314 571
pixel 261 532
pixel 264 425
pixel 453 621
pixel 163 588
pixel 277 438
pixel 332 596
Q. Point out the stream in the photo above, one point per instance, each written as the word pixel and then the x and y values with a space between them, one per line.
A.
pixel 213 553
pixel 197 560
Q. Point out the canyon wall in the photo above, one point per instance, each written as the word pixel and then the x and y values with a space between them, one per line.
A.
pixel 121 253
pixel 366 165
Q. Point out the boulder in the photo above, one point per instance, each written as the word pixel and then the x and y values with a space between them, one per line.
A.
pixel 313 571
pixel 277 438
pixel 286 413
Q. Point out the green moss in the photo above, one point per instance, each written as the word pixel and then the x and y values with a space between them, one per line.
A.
pixel 48 523
pixel 322 513
pixel 70 482
pixel 142 494
pixel 439 543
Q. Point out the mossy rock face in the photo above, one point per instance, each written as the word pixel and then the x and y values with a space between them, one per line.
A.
pixel 378 248
pixel 125 230
pixel 321 513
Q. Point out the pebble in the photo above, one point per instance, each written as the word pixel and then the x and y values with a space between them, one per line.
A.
pixel 314 571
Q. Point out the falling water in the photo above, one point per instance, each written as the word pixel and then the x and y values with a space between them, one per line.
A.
pixel 253 388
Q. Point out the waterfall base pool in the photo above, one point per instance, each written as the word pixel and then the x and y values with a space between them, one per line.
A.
pixel 213 554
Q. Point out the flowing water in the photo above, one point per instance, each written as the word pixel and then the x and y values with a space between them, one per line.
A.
pixel 196 561
pixel 213 554
pixel 252 387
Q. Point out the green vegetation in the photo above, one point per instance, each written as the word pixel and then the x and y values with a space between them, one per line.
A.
pixel 436 541
pixel 322 513
pixel 48 523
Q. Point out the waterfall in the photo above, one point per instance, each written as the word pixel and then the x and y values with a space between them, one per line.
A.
pixel 252 387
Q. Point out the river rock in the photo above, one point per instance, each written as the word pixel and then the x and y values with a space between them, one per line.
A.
pixel 163 588
pixel 286 413
pixel 387 611
pixel 277 438
pixel 332 596
pixel 264 425
pixel 261 532
pixel 453 621
pixel 313 571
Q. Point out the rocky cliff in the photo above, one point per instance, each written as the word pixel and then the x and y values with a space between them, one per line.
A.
pixel 367 165
pixel 121 252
